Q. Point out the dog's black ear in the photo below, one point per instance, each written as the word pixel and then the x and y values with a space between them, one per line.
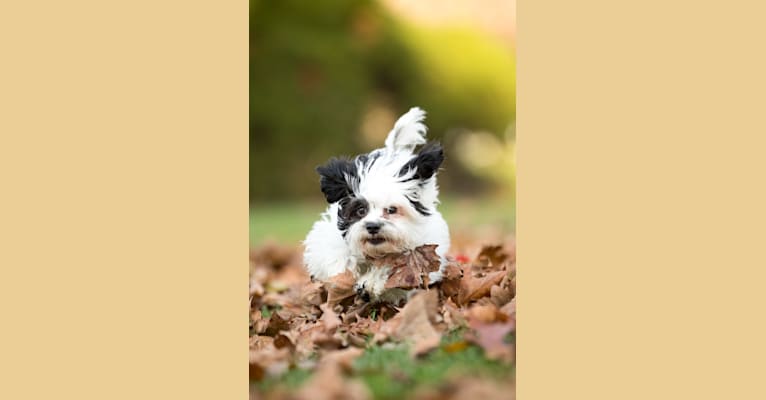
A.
pixel 335 178
pixel 426 163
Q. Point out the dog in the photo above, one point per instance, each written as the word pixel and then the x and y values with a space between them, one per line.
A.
pixel 380 203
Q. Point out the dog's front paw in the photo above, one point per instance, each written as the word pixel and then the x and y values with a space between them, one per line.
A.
pixel 371 287
pixel 362 292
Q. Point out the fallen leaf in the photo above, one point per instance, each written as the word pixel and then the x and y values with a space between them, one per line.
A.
pixel 415 325
pixel 330 319
pixel 322 327
pixel 311 293
pixel 491 338
pixel 265 358
pixel 452 316
pixel 456 346
pixel 327 383
pixel 510 309
pixel 473 388
pixel 410 269
pixel 342 358
pixel 277 323
pixel 486 313
pixel 499 295
pixel 473 288
pixel 259 324
pixel 493 255
pixel 340 287
pixel 451 277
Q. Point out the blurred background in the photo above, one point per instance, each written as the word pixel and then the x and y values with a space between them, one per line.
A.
pixel 330 78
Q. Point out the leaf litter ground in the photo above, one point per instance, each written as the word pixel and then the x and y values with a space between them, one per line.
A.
pixel 451 340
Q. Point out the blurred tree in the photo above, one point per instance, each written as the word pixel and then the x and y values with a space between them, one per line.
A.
pixel 318 70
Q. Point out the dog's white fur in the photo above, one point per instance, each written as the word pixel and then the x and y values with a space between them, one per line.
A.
pixel 383 184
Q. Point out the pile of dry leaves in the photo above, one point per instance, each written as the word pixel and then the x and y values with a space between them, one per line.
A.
pixel 324 326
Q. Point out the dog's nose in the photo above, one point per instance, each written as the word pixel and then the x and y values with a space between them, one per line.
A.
pixel 373 227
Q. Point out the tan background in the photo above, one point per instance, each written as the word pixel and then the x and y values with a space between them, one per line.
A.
pixel 640 200
pixel 123 162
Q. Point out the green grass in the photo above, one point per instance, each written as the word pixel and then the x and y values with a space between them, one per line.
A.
pixel 288 223
pixel 393 374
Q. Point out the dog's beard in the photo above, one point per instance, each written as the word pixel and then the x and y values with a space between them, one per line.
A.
pixel 378 246
pixel 366 245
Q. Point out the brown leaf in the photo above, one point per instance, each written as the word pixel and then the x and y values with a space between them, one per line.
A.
pixel 452 316
pixel 410 269
pixel 330 319
pixel 340 287
pixel 259 323
pixel 510 309
pixel 473 288
pixel 282 340
pixel 491 338
pixel 492 255
pixel 456 346
pixel 472 388
pixel 265 358
pixel 311 293
pixel 277 323
pixel 388 328
pixel 486 313
pixel 415 325
pixel 342 358
pixel 500 296
pixel 327 383
pixel 452 275
pixel 453 271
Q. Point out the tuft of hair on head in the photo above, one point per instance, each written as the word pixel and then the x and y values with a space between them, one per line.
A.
pixel 409 131
pixel 425 164
pixel 337 178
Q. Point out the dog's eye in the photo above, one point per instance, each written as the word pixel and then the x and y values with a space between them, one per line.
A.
pixel 391 210
pixel 361 212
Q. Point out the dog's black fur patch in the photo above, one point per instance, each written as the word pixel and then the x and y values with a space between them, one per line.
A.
pixel 419 207
pixel 426 163
pixel 333 180
pixel 351 210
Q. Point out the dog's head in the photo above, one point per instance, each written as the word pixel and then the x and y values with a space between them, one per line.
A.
pixel 386 196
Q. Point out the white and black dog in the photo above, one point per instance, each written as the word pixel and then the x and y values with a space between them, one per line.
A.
pixel 380 203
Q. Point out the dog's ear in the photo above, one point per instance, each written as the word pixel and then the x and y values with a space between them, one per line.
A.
pixel 335 179
pixel 426 162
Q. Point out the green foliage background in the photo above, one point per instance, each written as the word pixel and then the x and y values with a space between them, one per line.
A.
pixel 316 67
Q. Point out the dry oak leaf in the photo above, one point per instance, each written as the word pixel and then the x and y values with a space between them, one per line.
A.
pixel 491 338
pixel 416 324
pixel 410 269
pixel 492 255
pixel 259 322
pixel 452 316
pixel 500 296
pixel 342 358
pixel 473 288
pixel 486 313
pixel 311 293
pixel 265 358
pixel 327 382
pixel 510 309
pixel 476 388
pixel 330 319
pixel 339 288
pixel 277 323
pixel 451 277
